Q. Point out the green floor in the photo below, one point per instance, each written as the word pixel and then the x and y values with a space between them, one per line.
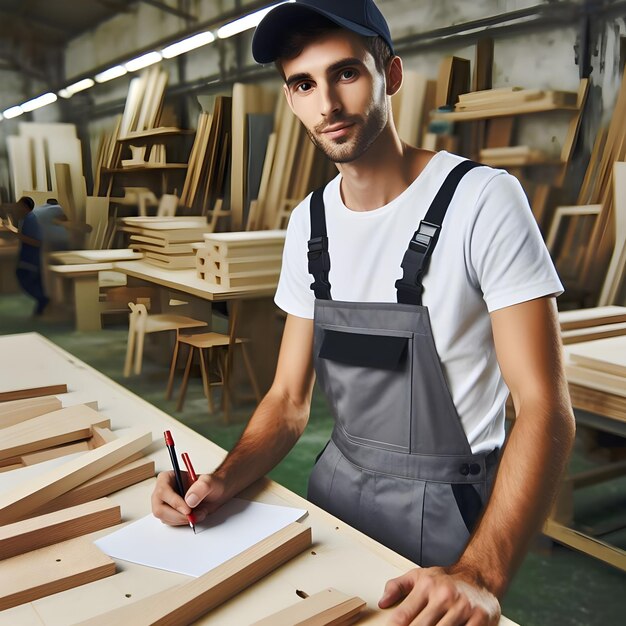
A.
pixel 554 585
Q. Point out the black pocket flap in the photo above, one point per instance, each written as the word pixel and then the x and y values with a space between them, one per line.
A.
pixel 378 351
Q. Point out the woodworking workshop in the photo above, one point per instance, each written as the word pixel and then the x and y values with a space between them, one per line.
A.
pixel 313 312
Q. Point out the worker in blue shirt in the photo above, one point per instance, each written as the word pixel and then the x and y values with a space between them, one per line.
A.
pixel 29 233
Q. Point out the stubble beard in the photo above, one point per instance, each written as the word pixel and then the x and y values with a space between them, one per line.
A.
pixel 365 131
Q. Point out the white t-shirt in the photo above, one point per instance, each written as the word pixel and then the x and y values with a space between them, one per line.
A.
pixel 490 255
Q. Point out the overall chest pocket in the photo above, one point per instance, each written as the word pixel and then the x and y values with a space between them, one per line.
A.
pixel 366 374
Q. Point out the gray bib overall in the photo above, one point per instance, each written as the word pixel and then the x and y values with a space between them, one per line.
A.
pixel 398 465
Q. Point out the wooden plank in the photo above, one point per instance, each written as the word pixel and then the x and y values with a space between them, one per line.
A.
pixel 41 573
pixel 595 316
pixel 187 602
pixel 51 429
pixel 38 491
pixel 579 335
pixel 586 544
pixel 103 485
pixel 32 392
pixel 605 355
pixel 44 530
pixel 617 267
pixel 17 411
pixel 326 608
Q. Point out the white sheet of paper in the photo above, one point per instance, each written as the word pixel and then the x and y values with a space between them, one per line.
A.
pixel 233 528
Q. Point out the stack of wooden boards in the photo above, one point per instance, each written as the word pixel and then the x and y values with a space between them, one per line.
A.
pixel 243 259
pixel 277 168
pixel 207 169
pixel 56 466
pixel 142 112
pixel 46 161
pixel 595 347
pixel 514 99
pixel 165 242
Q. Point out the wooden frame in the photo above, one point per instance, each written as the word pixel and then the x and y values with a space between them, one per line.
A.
pixel 186 603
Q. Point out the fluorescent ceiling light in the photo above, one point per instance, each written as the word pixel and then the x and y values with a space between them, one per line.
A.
pixel 12 112
pixel 143 61
pixel 40 101
pixel 113 72
pixel 191 43
pixel 64 93
pixel 245 23
pixel 81 85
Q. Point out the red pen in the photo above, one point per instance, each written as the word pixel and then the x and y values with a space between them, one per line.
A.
pixel 169 442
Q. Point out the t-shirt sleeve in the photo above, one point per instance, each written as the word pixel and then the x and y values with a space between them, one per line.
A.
pixel 508 259
pixel 294 295
pixel 30 227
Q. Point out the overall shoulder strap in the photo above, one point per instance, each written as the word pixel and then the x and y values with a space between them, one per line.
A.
pixel 424 240
pixel 319 259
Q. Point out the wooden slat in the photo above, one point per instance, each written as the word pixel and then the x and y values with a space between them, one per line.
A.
pixel 186 603
pixel 32 392
pixel 37 492
pixel 326 608
pixel 103 485
pixel 17 411
pixel 41 573
pixel 44 530
pixel 51 429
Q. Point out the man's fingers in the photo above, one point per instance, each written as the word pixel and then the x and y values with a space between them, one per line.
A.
pixel 164 492
pixel 458 614
pixel 410 609
pixel 204 488
pixel 396 589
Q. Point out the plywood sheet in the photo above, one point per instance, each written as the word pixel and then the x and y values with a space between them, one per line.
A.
pixel 605 355
pixel 592 333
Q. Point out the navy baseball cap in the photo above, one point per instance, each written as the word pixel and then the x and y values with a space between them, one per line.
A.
pixel 360 16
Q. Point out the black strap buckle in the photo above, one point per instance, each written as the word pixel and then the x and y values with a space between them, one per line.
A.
pixel 425 238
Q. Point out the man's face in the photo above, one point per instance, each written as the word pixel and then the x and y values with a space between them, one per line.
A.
pixel 336 91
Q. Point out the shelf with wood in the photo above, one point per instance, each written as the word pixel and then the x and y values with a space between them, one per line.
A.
pixel 485 114
pixel 156 135
pixel 146 167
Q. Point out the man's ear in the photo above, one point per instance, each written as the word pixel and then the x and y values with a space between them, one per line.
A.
pixel 394 76
pixel 288 97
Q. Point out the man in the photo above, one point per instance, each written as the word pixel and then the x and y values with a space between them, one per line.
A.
pixel 416 337
pixel 28 270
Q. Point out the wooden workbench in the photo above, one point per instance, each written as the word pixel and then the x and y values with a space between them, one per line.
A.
pixel 344 558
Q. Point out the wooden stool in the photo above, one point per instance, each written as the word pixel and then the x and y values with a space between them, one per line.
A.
pixel 140 324
pixel 209 341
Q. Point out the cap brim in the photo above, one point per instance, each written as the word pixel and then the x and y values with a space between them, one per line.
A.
pixel 276 25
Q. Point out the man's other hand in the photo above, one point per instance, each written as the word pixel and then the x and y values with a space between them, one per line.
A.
pixel 433 595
